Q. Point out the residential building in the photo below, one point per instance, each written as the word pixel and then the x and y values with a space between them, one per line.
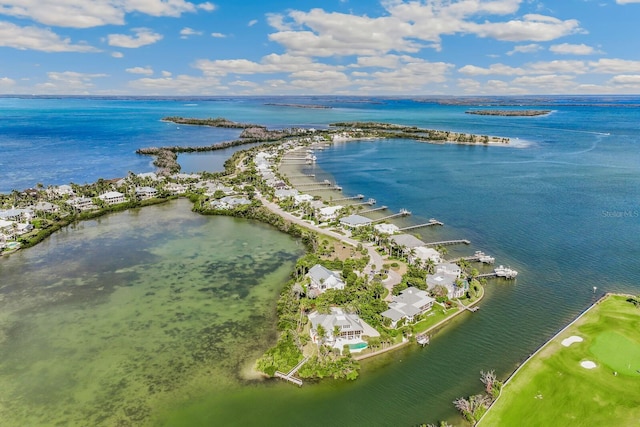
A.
pixel 424 254
pixel 408 304
pixel 448 275
pixel 386 228
pixel 322 279
pixel 144 193
pixel 355 221
pixel 112 197
pixel 81 203
pixel 14 214
pixel 350 328
pixel 329 213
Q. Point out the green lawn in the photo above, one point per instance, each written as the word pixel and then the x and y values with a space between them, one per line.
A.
pixel 553 389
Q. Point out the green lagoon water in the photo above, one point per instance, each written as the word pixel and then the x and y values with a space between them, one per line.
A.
pixel 113 321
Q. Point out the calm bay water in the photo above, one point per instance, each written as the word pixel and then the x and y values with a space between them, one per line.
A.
pixel 561 207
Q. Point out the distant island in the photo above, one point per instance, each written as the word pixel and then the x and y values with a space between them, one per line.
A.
pixel 218 122
pixel 321 107
pixel 509 113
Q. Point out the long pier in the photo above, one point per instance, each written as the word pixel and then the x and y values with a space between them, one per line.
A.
pixel 403 212
pixel 310 184
pixel 449 242
pixel 431 222
pixel 311 175
pixel 356 197
pixel 480 276
pixel 369 202
pixel 477 257
pixel 335 187
pixel 289 376
pixel 381 208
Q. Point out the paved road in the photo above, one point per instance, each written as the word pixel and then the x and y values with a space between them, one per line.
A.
pixel 375 259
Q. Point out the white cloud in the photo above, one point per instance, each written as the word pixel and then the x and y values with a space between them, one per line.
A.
pixel 142 37
pixel 34 38
pixel 527 48
pixel 140 70
pixel 6 82
pixel 626 80
pixel 207 7
pixel 532 27
pixel 269 64
pixel 218 35
pixel 252 23
pixel 493 69
pixel 615 66
pixel 166 74
pixel 93 13
pixel 186 32
pixel 117 55
pixel 627 1
pixel 572 49
pixel 182 84
pixel 68 82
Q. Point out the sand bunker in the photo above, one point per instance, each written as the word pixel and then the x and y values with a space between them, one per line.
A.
pixel 588 364
pixel 568 341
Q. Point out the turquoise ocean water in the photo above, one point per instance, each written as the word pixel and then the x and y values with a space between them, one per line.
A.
pixel 561 205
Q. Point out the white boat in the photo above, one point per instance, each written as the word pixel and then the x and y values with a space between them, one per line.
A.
pixel 484 258
pixel 505 272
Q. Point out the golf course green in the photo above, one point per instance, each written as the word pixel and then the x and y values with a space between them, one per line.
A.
pixel 587 375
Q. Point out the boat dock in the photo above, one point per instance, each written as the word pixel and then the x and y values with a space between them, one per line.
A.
pixel 449 242
pixel 477 257
pixel 403 212
pixel 381 208
pixel 302 176
pixel 471 309
pixel 369 202
pixel 504 272
pixel 356 197
pixel 422 339
pixel 311 184
pixel 289 376
pixel 431 222
pixel 334 187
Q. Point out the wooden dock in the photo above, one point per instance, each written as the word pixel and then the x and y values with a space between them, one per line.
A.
pixel 334 187
pixel 449 242
pixel 381 208
pixel 356 197
pixel 423 339
pixel 369 202
pixel 311 184
pixel 431 222
pixel 477 257
pixel 289 376
pixel 403 212
pixel 464 307
pixel 302 176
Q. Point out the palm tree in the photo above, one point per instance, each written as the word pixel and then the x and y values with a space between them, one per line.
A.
pixel 430 266
pixel 321 332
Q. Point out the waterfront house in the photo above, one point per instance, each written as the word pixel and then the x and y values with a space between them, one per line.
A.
pixel 144 193
pixel 406 241
pixel 448 276
pixel 230 202
pixel 425 254
pixel 112 197
pixel 22 228
pixel 355 221
pixel 81 203
pixel 7 228
pixel 321 279
pixel 148 175
pixel 386 228
pixel 63 190
pixel 329 213
pixel 408 304
pixel 285 193
pixel 302 198
pixel 340 328
pixel 175 188
pixel 45 207
pixel 14 214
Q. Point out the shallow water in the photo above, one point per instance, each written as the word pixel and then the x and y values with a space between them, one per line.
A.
pixel 134 313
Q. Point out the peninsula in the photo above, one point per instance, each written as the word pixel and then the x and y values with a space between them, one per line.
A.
pixel 364 287
pixel 509 113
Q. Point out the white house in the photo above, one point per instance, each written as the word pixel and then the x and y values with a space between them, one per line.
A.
pixel 355 221
pixel 386 228
pixel 175 188
pixel 302 198
pixel 144 193
pixel 81 203
pixel 285 193
pixel 425 254
pixel 340 328
pixel 322 279
pixel 329 213
pixel 14 214
pixel 410 303
pixel 447 275
pixel 112 197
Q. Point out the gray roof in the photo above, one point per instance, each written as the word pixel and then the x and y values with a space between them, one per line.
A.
pixel 442 279
pixel 319 273
pixel 408 303
pixel 355 220
pixel 407 240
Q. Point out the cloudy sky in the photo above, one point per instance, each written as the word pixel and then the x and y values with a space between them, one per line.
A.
pixel 360 47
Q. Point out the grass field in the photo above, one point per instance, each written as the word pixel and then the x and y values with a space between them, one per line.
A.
pixel 553 389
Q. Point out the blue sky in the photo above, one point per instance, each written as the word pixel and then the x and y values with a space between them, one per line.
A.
pixel 333 47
